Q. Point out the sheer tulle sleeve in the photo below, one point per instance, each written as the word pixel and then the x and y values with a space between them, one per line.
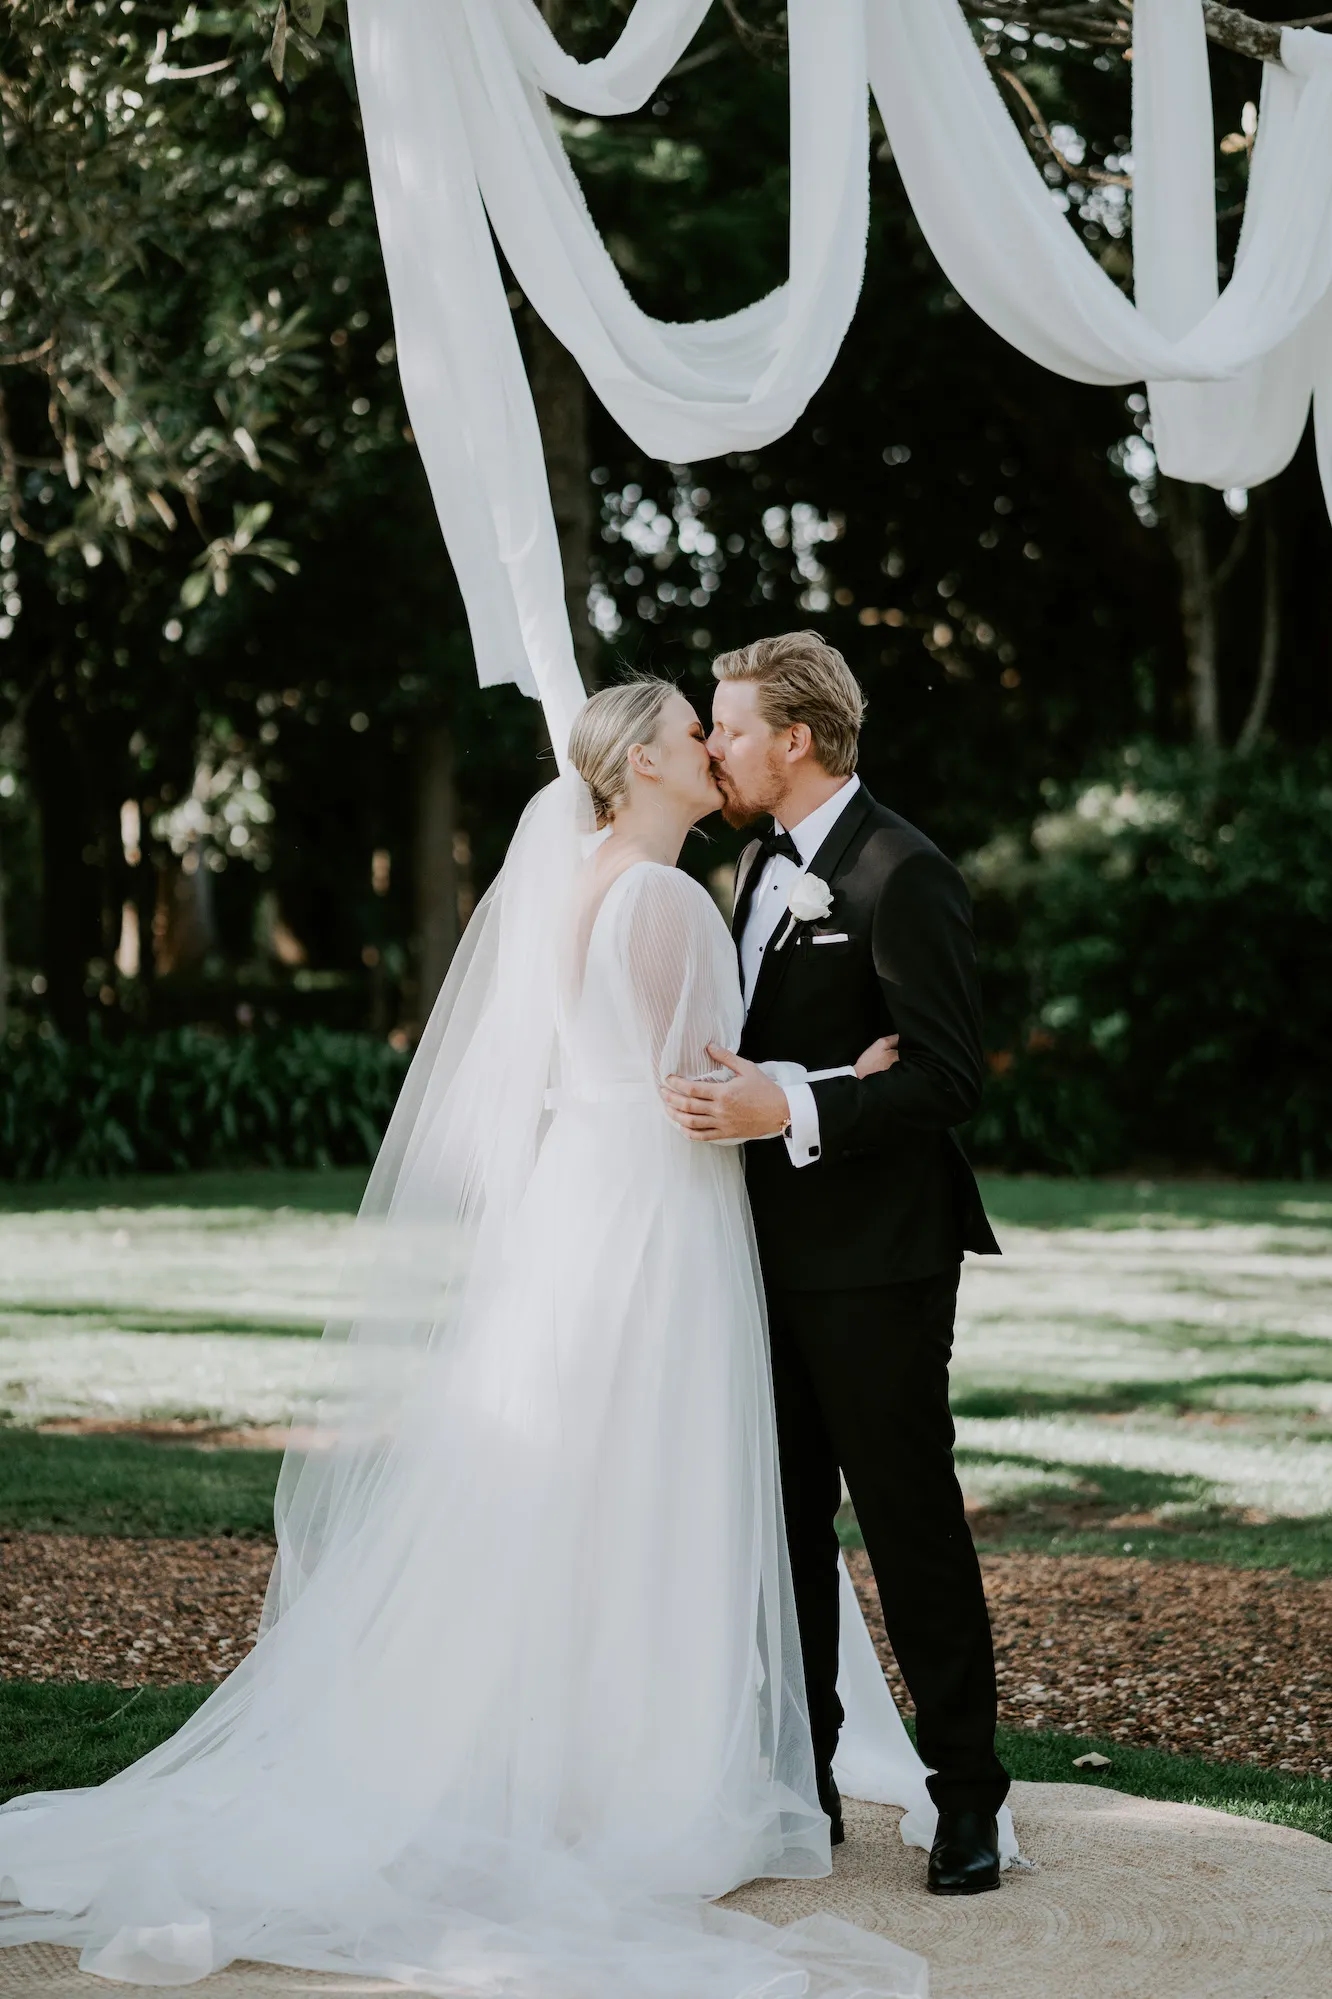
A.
pixel 680 986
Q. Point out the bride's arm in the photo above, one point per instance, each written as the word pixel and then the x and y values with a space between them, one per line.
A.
pixel 880 1055
pixel 681 985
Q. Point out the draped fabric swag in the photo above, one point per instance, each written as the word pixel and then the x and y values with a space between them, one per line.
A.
pixel 461 140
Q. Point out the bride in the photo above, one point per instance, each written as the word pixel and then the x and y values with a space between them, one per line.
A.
pixel 527 1692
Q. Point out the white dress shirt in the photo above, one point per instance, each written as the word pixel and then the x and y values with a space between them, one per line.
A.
pixel 767 910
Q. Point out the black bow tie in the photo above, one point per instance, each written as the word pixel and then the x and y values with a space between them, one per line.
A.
pixel 778 842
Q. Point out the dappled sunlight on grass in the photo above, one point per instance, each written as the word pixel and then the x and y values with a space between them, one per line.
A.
pixel 1227 1467
pixel 73 1368
pixel 195 1266
pixel 1156 1354
pixel 1162 1375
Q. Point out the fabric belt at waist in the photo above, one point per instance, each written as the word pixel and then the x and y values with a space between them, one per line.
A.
pixel 623 1093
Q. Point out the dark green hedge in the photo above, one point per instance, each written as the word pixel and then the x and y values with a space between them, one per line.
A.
pixel 188 1098
pixel 1157 957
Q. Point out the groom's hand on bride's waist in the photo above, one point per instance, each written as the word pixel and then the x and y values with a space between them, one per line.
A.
pixel 747 1104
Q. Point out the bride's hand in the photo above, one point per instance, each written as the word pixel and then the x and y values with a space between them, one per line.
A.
pixel 880 1055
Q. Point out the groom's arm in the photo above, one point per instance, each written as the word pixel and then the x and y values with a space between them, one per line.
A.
pixel 925 959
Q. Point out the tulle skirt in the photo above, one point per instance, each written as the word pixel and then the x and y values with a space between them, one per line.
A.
pixel 544 1702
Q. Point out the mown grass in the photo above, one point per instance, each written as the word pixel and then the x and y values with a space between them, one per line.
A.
pixel 1159 1516
pixel 57 1736
pixel 1042 1201
pixel 334 1190
pixel 1046 1757
pixel 1303 1547
pixel 120 1485
pixel 1029 1200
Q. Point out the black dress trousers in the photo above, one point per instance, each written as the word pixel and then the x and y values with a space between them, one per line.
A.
pixel 861 1385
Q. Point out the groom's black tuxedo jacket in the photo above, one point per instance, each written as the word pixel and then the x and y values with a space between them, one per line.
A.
pixel 891 1196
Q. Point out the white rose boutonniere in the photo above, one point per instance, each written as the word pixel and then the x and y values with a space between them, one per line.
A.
pixel 809 901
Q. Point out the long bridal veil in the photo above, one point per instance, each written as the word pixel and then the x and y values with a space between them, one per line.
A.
pixel 526 1693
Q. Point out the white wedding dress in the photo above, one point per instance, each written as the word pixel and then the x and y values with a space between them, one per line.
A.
pixel 527 1692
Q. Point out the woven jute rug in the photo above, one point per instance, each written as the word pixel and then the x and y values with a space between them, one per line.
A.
pixel 1129 1899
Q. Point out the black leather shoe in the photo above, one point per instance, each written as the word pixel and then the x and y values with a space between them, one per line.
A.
pixel 830 1799
pixel 964 1859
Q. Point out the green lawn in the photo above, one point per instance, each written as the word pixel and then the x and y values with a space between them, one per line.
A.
pixel 56 1736
pixel 1149 1363
pixel 1046 1757
pixel 1148 1368
pixel 1039 1201
pixel 119 1485
pixel 335 1191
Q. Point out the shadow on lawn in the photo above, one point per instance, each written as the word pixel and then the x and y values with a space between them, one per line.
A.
pixel 1072 1509
pixel 1164 1398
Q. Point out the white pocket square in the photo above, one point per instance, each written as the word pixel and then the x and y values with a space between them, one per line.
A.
pixel 830 937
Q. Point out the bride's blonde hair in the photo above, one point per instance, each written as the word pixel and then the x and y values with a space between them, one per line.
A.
pixel 606 728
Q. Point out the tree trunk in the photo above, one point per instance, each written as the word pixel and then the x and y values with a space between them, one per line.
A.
pixel 4 956
pixel 1186 524
pixel 1269 651
pixel 559 392
pixel 184 924
pixel 70 924
pixel 437 878
pixel 144 893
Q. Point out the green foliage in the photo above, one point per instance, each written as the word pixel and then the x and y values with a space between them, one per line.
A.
pixel 123 1485
pixel 194 288
pixel 187 1099
pixel 141 184
pixel 1160 969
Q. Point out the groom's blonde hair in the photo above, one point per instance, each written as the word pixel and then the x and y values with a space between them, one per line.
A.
pixel 801 678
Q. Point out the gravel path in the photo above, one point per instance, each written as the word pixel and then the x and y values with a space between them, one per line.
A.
pixel 90 1607
pixel 1230 1664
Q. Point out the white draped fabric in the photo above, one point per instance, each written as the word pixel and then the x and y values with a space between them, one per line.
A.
pixel 461 141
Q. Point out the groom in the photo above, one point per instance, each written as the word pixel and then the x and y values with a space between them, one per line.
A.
pixel 851 925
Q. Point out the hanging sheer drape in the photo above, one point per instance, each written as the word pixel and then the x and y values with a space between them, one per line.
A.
pixel 458 129
pixel 990 220
pixel 461 140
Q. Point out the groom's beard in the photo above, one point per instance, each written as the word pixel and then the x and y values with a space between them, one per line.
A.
pixel 738 812
pixel 740 809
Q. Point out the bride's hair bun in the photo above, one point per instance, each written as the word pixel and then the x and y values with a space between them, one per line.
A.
pixel 606 728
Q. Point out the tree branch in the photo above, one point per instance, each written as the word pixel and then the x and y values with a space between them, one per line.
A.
pixel 759 41
pixel 1110 23
pixel 32 354
pixel 1083 173
pixel 1105 25
pixel 1269 651
pixel 9 478
pixel 1234 555
pixel 698 59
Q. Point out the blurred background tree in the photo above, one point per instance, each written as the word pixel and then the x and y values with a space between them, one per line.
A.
pixel 246 777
